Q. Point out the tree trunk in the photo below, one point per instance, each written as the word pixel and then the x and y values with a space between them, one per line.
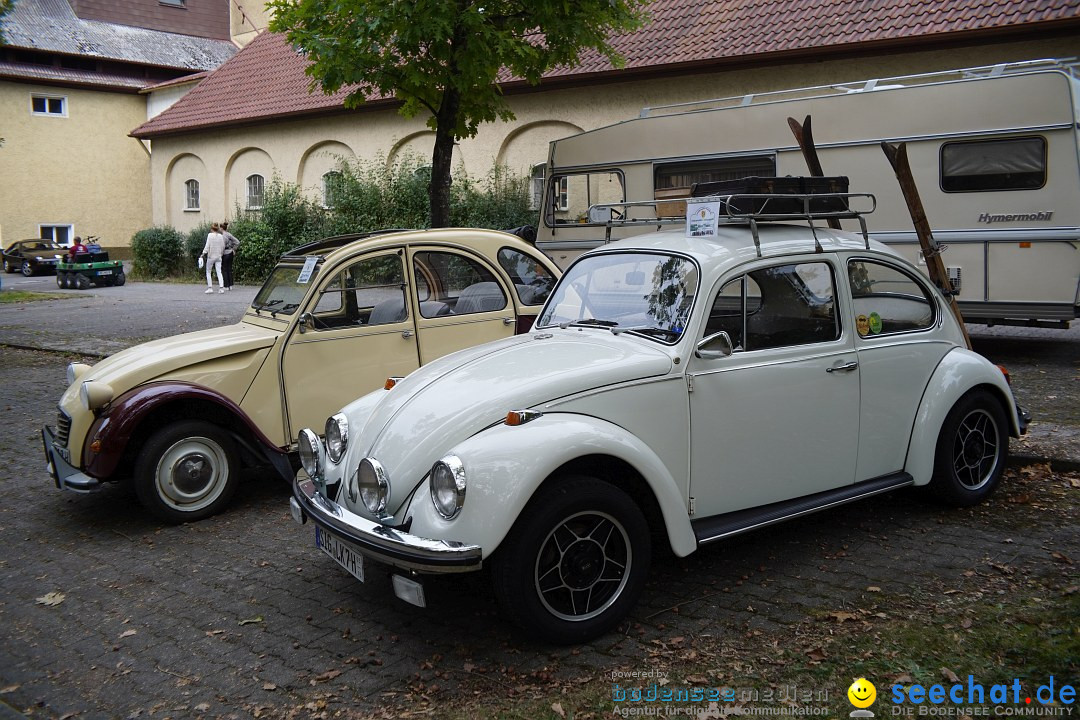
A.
pixel 442 157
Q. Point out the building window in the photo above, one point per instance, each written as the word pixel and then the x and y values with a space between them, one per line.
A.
pixel 191 195
pixel 984 165
pixel 61 234
pixel 172 3
pixel 255 186
pixel 536 195
pixel 331 188
pixel 51 105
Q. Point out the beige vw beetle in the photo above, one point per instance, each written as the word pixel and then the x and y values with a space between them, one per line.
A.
pixel 181 416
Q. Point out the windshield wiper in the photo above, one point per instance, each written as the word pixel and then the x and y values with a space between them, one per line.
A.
pixel 647 330
pixel 265 305
pixel 589 322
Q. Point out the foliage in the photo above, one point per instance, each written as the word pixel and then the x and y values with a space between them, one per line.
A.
pixel 156 252
pixel 6 6
pixel 444 58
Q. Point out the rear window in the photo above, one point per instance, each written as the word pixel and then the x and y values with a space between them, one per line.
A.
pixel 985 165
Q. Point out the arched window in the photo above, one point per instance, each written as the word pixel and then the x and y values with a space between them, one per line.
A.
pixel 331 187
pixel 191 195
pixel 255 185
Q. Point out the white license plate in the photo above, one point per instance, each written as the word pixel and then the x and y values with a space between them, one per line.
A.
pixel 104 272
pixel 342 553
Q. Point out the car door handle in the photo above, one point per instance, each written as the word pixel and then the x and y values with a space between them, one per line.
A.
pixel 406 334
pixel 846 367
pixel 508 321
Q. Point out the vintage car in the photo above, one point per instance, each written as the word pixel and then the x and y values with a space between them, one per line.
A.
pixel 32 256
pixel 181 416
pixel 673 389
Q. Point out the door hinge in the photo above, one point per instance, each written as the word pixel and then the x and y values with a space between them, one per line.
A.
pixel 690 383
pixel 691 505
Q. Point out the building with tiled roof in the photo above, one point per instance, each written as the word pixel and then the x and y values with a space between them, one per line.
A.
pixel 255 116
pixel 71 76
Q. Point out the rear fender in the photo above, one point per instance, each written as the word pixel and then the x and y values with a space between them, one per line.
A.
pixel 506 465
pixel 959 372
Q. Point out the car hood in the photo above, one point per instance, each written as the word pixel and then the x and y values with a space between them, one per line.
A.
pixel 451 399
pixel 158 358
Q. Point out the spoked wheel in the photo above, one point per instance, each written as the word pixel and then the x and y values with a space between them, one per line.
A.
pixel 27 271
pixel 187 471
pixel 575 562
pixel 971 450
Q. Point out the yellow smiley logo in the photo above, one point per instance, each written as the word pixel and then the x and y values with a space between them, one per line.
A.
pixel 861 693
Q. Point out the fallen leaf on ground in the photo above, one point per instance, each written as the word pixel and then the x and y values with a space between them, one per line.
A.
pixel 127 633
pixel 841 616
pixel 50 599
pixel 873 588
pixel 557 709
pixel 950 675
pixel 252 621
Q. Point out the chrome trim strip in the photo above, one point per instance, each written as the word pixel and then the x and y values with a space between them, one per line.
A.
pixel 385 544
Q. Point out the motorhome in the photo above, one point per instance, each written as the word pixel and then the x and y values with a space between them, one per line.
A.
pixel 995 153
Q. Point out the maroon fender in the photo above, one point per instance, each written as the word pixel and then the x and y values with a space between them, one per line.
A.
pixel 114 427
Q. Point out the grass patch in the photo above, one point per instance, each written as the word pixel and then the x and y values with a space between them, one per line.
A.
pixel 18 296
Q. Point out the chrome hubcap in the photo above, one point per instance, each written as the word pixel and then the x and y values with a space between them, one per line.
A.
pixel 583 566
pixel 975 450
pixel 192 473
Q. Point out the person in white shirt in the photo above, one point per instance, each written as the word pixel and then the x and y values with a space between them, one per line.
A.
pixel 213 251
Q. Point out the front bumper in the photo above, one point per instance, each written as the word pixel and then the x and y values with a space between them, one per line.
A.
pixel 379 542
pixel 64 474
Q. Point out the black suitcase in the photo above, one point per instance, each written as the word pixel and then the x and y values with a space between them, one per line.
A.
pixel 787 185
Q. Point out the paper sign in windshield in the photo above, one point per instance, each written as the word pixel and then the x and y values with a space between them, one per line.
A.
pixel 309 267
pixel 701 219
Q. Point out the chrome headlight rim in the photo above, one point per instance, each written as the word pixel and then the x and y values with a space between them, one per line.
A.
pixel 337 437
pixel 448 483
pixel 373 487
pixel 310 449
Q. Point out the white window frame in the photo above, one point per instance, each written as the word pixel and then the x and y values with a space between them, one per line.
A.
pixel 47 97
pixel 536 185
pixel 261 194
pixel 188 206
pixel 52 235
pixel 562 195
pixel 326 177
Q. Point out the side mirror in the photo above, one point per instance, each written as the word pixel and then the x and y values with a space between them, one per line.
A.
pixel 307 322
pixel 712 347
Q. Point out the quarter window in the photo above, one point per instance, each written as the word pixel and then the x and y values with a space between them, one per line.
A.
pixel 985 165
pixel 255 185
pixel 191 195
pixel 531 279
pixel 886 300
pixel 452 284
pixel 573 194
pixel 48 105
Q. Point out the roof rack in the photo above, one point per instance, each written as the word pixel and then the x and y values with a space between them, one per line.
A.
pixel 1066 65
pixel 749 208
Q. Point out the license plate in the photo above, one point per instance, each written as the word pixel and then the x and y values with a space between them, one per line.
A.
pixel 342 553
pixel 104 272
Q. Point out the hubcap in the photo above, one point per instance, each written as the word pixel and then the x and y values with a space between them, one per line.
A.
pixel 192 474
pixel 975 450
pixel 583 566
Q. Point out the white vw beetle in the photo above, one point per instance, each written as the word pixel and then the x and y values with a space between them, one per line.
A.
pixel 672 389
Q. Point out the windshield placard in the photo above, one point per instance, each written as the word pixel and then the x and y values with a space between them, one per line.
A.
pixel 309 267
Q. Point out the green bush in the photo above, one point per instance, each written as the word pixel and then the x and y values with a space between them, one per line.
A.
pixel 157 252
pixel 194 244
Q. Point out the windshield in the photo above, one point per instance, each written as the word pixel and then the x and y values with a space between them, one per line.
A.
pixel 647 294
pixel 282 292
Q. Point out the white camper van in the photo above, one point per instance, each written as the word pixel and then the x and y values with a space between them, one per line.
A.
pixel 995 152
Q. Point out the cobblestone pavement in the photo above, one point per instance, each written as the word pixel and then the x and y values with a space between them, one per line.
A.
pixel 105 613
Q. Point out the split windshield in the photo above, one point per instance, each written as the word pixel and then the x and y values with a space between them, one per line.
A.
pixel 646 294
pixel 283 292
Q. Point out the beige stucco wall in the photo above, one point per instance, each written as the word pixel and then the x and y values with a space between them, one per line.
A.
pixel 81 170
pixel 300 151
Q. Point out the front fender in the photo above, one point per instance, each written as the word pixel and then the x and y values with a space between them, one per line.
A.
pixel 112 430
pixel 505 466
pixel 958 372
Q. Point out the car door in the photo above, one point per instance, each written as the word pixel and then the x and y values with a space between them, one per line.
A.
pixel 459 300
pixel 895 317
pixel 779 417
pixel 359 330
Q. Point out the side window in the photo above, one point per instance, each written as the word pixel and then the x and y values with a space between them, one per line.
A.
pixel 531 279
pixel 368 292
pixel 777 307
pixel 984 165
pixel 571 195
pixel 886 300
pixel 255 186
pixel 452 284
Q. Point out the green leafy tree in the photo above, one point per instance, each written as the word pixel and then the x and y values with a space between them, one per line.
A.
pixel 443 57
pixel 5 7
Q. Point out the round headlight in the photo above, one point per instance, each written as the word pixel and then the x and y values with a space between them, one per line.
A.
pixel 75 371
pixel 94 394
pixel 310 449
pixel 448 486
pixel 373 484
pixel 337 437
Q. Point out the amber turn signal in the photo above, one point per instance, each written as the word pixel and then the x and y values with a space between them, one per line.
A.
pixel 1005 372
pixel 520 417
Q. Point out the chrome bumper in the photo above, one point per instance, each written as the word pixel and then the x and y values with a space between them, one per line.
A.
pixel 379 542
pixel 64 474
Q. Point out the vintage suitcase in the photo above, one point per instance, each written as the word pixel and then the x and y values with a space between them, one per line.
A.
pixel 787 185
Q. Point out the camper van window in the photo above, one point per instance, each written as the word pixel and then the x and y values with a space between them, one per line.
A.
pixel 984 165
pixel 571 194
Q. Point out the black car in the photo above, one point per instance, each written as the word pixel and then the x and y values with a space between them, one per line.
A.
pixel 32 256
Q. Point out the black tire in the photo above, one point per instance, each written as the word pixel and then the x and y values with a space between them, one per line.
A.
pixel 60 280
pixel 119 279
pixel 69 281
pixel 27 271
pixel 575 562
pixel 9 267
pixel 82 282
pixel 187 471
pixel 971 450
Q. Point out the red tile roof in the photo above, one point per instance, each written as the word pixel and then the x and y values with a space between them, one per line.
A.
pixel 266 79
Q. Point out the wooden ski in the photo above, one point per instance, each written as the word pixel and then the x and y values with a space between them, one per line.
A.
pixel 931 250
pixel 805 137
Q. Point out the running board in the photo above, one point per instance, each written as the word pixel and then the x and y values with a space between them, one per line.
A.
pixel 719 527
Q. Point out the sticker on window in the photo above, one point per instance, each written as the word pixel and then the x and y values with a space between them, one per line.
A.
pixel 309 267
